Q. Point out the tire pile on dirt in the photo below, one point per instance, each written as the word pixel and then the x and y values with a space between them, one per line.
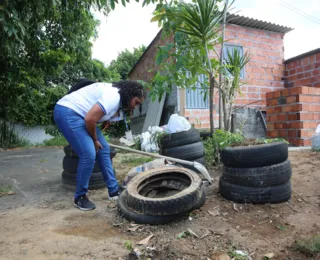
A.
pixel 256 174
pixel 185 145
pixel 161 195
pixel 70 165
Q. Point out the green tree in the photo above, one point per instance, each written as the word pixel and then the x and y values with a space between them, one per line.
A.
pixel 125 61
pixel 45 44
pixel 195 28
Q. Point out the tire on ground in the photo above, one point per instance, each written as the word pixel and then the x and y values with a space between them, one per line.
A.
pixel 254 156
pixel 180 202
pixel 275 174
pixel 96 180
pixel 255 195
pixel 139 218
pixel 187 152
pixel 180 138
pixel 71 165
pixel 69 152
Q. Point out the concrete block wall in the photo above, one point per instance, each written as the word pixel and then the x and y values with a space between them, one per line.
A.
pixel 293 114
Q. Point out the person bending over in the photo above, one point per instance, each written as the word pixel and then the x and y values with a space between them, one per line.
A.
pixel 77 115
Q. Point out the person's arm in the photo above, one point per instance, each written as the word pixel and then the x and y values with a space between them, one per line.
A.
pixel 91 119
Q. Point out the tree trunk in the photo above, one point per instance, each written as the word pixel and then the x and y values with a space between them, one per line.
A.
pixel 221 60
pixel 225 112
pixel 211 98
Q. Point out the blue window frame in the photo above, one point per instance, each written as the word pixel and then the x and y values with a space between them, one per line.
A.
pixel 195 98
pixel 230 48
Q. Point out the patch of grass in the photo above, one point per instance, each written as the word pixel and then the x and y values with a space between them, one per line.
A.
pixel 55 141
pixel 309 247
pixel 128 245
pixel 132 161
pixel 6 190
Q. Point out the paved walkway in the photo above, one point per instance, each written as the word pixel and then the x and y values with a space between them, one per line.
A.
pixel 35 175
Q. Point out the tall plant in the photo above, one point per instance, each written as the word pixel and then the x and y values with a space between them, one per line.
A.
pixel 234 64
pixel 195 28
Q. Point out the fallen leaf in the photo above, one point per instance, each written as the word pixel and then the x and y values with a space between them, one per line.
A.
pixel 219 255
pixel 214 213
pixel 281 227
pixel 145 241
pixel 269 256
pixel 134 228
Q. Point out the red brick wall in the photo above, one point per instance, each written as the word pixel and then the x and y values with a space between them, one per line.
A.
pixel 265 70
pixel 293 114
pixel 303 71
pixel 147 61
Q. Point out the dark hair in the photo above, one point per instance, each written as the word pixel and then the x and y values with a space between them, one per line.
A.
pixel 80 84
pixel 128 89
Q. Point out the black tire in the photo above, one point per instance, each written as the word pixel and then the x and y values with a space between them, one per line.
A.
pixel 71 165
pixel 96 180
pixel 254 156
pixel 180 138
pixel 182 201
pixel 259 176
pixel 139 218
pixel 70 153
pixel 255 195
pixel 187 152
pixel 205 135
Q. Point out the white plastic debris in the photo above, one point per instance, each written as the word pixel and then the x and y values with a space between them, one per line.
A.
pixel 177 124
pixel 315 140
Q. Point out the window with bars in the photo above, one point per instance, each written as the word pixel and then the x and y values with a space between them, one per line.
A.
pixel 229 48
pixel 195 98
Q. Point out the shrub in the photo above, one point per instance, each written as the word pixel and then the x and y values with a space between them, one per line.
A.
pixel 8 137
pixel 219 140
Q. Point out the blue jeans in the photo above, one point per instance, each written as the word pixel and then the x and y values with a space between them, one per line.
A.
pixel 73 127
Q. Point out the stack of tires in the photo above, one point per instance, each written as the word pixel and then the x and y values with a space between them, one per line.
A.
pixel 70 166
pixel 256 174
pixel 185 145
pixel 161 195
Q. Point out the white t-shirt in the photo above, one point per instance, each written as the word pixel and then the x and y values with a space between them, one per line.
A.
pixel 103 94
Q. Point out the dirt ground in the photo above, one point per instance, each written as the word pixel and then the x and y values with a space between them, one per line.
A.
pixel 54 229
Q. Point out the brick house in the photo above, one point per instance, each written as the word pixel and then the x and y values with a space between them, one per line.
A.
pixel 264 73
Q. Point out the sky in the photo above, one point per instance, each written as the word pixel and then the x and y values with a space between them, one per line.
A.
pixel 130 27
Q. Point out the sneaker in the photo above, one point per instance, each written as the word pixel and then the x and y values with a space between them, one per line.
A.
pixel 114 196
pixel 84 203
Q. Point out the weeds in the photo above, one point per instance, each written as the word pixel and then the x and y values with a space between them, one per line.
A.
pixel 309 247
pixel 136 161
pixel 55 141
pixel 220 139
pixel 128 245
pixel 6 190
pixel 8 137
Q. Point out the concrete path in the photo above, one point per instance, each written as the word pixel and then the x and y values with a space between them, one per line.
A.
pixel 35 175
